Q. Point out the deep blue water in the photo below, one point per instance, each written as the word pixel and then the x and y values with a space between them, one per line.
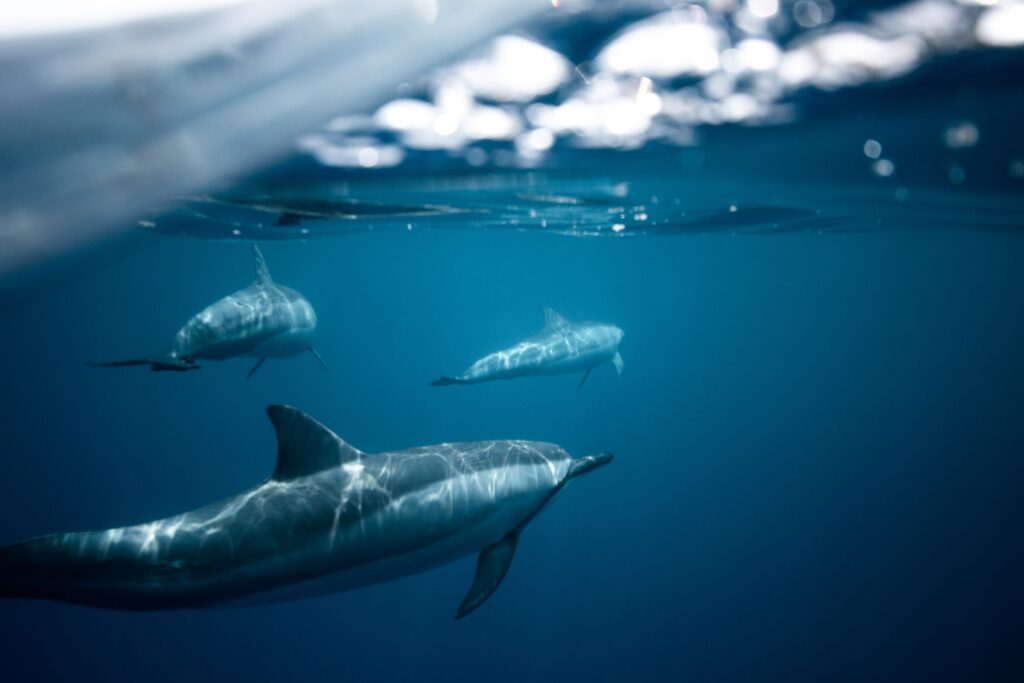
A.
pixel 818 445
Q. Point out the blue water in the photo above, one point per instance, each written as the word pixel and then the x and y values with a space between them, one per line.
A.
pixel 817 442
pixel 818 430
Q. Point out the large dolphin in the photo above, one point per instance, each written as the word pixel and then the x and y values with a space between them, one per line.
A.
pixel 330 518
pixel 562 347
pixel 264 320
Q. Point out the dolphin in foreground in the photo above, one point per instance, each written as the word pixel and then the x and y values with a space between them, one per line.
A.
pixel 264 320
pixel 329 519
pixel 561 348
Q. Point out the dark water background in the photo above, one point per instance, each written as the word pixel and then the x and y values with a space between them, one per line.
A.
pixel 818 431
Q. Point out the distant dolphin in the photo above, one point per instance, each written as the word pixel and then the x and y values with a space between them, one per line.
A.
pixel 562 347
pixel 329 519
pixel 264 320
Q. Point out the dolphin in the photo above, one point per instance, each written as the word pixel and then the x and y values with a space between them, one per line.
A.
pixel 330 518
pixel 264 320
pixel 562 347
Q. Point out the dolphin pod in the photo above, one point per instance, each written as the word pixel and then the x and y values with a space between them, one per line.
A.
pixel 329 518
pixel 562 347
pixel 264 320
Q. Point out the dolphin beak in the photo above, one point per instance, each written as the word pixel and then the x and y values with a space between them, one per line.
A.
pixel 587 463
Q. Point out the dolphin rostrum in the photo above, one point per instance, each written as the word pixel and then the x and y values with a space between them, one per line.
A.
pixel 562 347
pixel 264 320
pixel 330 518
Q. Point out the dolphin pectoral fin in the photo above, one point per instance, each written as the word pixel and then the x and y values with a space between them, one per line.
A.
pixel 255 368
pixel 491 567
pixel 617 362
pixel 583 379
pixel 318 357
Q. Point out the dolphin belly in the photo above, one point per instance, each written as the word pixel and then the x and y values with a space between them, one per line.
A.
pixel 224 350
pixel 425 528
pixel 225 334
pixel 289 343
pixel 429 553
pixel 571 363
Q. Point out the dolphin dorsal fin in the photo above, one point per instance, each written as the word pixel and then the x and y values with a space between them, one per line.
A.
pixel 304 446
pixel 553 319
pixel 262 274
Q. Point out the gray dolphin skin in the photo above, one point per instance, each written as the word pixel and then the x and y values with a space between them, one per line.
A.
pixel 329 519
pixel 562 347
pixel 264 320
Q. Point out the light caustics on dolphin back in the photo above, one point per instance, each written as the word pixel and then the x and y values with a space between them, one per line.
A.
pixel 330 518
pixel 562 347
pixel 264 320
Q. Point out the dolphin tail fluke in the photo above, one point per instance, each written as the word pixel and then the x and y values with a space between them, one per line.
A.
pixel 12 574
pixel 447 381
pixel 26 568
pixel 156 364
pixel 316 354
pixel 8 579
pixel 491 567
